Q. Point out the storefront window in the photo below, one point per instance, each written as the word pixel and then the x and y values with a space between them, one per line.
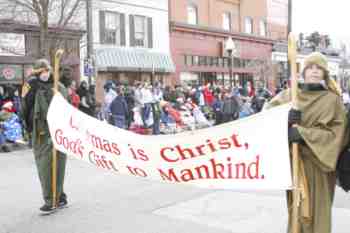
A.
pixel 202 61
pixel 210 61
pixel 221 61
pixel 215 61
pixel 195 60
pixel 226 62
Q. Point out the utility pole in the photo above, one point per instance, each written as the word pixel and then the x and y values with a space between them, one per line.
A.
pixel 90 48
pixel 289 30
pixel 289 16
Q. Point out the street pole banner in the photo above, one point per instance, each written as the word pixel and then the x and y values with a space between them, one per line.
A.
pixel 251 153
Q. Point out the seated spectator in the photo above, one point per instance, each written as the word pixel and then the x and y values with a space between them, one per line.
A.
pixel 11 129
pixel 245 109
pixel 198 115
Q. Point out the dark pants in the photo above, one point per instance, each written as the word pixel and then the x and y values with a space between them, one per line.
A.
pixel 146 111
pixel 218 118
pixel 119 121
pixel 2 138
pixel 43 160
pixel 156 127
pixel 156 120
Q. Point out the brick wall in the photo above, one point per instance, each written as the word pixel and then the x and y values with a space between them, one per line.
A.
pixel 257 10
pixel 182 43
pixel 209 12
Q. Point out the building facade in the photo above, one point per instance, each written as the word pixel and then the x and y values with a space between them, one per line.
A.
pixel 199 29
pixel 277 18
pixel 131 41
pixel 19 48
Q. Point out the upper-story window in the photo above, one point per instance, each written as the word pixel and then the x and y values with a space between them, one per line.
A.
pixel 141 33
pixel 263 28
pixel 226 21
pixel 112 28
pixel 192 14
pixel 248 25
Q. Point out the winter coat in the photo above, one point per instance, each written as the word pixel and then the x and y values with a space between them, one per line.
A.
pixel 323 128
pixel 230 108
pixel 119 107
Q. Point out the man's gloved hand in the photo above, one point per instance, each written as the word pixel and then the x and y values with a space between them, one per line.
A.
pixel 294 117
pixel 294 136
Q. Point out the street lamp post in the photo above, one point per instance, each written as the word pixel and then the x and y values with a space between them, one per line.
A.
pixel 89 39
pixel 231 68
pixel 230 47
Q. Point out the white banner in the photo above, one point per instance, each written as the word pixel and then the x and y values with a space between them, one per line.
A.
pixel 251 153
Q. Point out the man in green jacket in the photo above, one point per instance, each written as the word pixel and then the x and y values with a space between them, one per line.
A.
pixel 37 94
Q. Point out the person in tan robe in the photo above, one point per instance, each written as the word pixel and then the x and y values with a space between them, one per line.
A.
pixel 321 134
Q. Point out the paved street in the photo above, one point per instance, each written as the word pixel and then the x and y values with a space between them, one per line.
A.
pixel 102 202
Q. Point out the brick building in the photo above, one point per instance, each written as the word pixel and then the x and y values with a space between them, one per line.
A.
pixel 199 29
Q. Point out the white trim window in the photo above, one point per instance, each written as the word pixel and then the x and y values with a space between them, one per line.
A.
pixel 140 31
pixel 226 21
pixel 263 28
pixel 192 14
pixel 112 34
pixel 248 25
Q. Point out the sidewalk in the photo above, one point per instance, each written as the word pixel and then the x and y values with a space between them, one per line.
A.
pixel 251 212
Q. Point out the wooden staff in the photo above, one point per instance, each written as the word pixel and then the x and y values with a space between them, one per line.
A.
pixel 56 77
pixel 292 53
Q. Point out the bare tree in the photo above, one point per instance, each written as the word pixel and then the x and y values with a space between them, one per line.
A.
pixel 262 69
pixel 264 72
pixel 59 14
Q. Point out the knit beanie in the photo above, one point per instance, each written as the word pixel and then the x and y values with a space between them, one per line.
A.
pixel 320 60
pixel 316 58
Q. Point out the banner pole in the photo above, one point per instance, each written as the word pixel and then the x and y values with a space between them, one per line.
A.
pixel 56 77
pixel 292 53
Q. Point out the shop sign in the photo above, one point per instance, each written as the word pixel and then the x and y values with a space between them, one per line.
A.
pixel 12 44
pixel 11 73
pixel 8 73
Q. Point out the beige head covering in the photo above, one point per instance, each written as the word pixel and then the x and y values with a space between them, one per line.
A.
pixel 320 60
pixel 41 65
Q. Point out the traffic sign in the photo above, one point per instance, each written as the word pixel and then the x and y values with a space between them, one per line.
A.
pixel 88 68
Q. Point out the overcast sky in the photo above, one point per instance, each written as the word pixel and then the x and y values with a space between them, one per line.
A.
pixel 326 16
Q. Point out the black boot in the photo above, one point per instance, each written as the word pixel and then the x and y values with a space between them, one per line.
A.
pixel 47 208
pixel 5 148
pixel 62 201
